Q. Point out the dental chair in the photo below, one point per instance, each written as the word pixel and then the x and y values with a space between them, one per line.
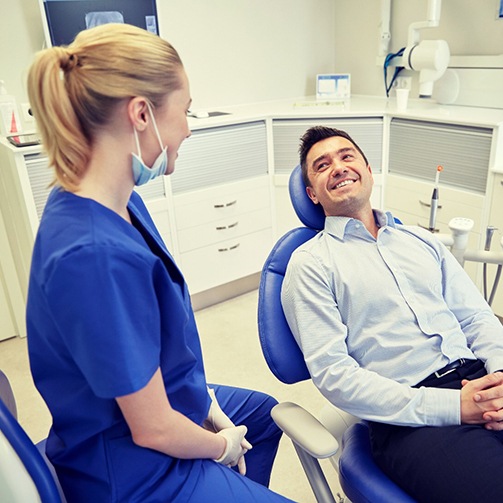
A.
pixel 25 474
pixel 360 478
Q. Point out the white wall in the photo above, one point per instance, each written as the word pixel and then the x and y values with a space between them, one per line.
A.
pixel 241 51
pixel 21 36
pixel 238 51
pixel 470 27
pixel 234 51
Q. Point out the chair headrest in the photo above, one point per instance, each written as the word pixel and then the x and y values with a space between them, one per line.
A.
pixel 310 214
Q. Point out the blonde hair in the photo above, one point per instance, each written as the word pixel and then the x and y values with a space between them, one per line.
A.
pixel 73 90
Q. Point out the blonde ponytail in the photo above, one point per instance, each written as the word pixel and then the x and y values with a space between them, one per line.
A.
pixel 73 90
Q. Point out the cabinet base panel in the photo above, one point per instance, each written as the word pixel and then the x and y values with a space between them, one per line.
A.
pixel 225 292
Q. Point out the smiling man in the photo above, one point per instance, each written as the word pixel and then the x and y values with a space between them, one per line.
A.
pixel 394 331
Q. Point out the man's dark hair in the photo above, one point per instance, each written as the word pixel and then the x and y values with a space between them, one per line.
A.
pixel 314 135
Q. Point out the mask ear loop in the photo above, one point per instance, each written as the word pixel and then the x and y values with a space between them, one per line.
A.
pixel 137 143
pixel 155 125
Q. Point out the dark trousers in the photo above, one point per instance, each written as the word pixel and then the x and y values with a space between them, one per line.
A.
pixel 443 464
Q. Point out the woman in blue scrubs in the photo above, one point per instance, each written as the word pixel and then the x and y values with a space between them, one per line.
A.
pixel 113 343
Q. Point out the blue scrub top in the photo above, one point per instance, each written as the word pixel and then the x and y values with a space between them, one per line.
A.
pixel 107 306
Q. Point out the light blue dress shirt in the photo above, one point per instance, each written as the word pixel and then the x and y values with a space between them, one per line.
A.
pixel 373 317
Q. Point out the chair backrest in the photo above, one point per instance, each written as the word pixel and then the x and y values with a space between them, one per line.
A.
pixel 310 214
pixel 280 349
pixel 24 474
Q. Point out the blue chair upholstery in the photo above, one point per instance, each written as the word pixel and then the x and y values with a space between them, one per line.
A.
pixel 360 478
pixel 24 450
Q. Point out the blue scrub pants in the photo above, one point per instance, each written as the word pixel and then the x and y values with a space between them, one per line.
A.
pixel 218 483
pixel 462 464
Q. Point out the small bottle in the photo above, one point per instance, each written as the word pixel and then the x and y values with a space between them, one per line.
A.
pixel 9 116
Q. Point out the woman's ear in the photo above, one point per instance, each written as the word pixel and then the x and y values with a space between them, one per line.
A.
pixel 137 112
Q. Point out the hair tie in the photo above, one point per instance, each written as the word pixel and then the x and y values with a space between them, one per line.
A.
pixel 70 62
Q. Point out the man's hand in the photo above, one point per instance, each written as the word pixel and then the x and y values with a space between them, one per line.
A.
pixel 482 401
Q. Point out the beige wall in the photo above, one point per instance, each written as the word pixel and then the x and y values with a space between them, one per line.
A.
pixel 241 51
pixel 21 36
pixel 235 51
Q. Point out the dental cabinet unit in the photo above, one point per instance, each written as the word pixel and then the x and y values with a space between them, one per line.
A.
pixel 226 204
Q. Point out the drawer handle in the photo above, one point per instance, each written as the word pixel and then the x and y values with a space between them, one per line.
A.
pixel 419 224
pixel 224 227
pixel 229 249
pixel 226 205
pixel 428 205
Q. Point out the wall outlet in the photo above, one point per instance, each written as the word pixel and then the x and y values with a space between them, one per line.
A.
pixel 26 114
pixel 403 83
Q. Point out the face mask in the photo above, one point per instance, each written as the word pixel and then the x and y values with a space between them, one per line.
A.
pixel 141 172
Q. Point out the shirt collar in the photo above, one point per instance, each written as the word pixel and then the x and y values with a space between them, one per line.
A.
pixel 339 226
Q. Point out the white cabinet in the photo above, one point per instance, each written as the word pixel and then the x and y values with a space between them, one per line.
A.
pixel 222 205
pixel 11 312
pixel 416 149
pixel 496 220
pixel 25 185
pixel 214 213
pixel 409 200
pixel 224 233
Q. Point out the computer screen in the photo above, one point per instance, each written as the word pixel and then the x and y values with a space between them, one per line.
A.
pixel 63 19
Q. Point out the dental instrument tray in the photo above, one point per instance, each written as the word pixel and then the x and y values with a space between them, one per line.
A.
pixel 24 140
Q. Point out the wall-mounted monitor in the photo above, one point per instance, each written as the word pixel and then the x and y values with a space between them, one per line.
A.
pixel 63 19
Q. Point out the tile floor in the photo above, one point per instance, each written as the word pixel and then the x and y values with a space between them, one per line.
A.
pixel 232 356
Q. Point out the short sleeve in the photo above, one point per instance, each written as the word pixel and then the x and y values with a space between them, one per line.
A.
pixel 104 304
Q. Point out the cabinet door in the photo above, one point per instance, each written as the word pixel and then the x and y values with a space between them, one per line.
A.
pixel 409 200
pixel 418 147
pixel 7 328
pixel 496 219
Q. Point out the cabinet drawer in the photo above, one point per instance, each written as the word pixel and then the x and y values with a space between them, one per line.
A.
pixel 222 230
pixel 219 203
pixel 227 261
pixel 410 198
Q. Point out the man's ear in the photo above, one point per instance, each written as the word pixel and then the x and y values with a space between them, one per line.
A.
pixel 312 195
pixel 371 174
pixel 137 112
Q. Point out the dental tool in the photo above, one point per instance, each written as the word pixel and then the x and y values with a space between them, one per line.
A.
pixel 434 201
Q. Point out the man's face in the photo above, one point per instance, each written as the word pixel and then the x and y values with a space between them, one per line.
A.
pixel 340 179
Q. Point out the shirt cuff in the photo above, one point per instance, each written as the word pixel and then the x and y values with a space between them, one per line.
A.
pixel 446 406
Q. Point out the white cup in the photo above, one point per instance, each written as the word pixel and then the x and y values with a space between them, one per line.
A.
pixel 402 96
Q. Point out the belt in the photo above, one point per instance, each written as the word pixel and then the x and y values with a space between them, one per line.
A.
pixel 451 367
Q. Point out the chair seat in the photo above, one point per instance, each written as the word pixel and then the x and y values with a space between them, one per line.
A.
pixel 360 477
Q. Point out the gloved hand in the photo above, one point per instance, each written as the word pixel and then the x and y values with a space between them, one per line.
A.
pixel 217 421
pixel 234 451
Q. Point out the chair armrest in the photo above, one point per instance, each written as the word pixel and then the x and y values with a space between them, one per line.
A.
pixel 305 430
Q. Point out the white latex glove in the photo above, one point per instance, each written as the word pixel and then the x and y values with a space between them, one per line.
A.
pixel 234 451
pixel 217 421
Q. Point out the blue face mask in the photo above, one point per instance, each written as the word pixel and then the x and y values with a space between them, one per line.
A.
pixel 141 172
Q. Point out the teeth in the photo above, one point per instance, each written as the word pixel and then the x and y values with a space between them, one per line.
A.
pixel 342 184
